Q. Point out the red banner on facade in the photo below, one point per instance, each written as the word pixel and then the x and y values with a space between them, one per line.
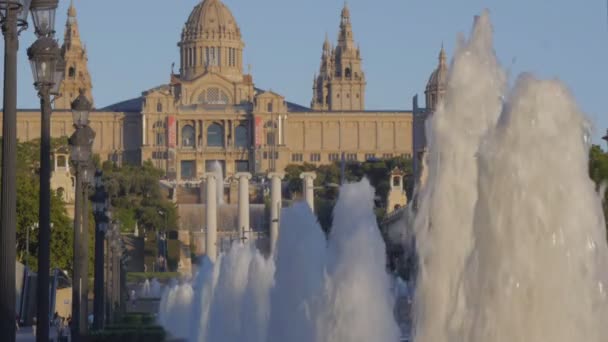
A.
pixel 258 131
pixel 172 127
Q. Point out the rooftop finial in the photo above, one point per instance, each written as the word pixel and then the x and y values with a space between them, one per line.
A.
pixel 72 10
pixel 442 56
pixel 345 10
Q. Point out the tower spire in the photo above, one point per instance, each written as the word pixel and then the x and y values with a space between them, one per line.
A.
pixel 340 84
pixel 72 10
pixel 73 64
pixel 442 57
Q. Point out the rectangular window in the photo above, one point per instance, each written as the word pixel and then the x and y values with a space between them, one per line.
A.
pixel 270 138
pixel 315 157
pixel 159 155
pixel 296 157
pixel 334 157
pixel 160 139
pixel 242 165
pixel 370 156
pixel 406 156
pixel 351 157
pixel 387 155
pixel 265 155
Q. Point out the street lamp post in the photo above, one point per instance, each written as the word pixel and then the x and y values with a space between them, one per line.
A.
pixel 163 238
pixel 114 251
pixel 100 210
pixel 13 15
pixel 44 56
pixel 81 143
pixel 605 137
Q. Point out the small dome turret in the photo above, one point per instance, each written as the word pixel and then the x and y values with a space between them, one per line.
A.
pixel 436 86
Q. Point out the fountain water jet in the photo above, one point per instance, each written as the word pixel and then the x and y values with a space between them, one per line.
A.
pixel 150 289
pixel 511 235
pixel 313 289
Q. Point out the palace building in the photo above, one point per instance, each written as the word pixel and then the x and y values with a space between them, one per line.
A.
pixel 211 111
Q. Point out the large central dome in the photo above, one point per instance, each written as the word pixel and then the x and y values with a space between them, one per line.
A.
pixel 211 19
pixel 211 41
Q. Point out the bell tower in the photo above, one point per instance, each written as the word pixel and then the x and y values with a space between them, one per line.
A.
pixel 73 65
pixel 340 85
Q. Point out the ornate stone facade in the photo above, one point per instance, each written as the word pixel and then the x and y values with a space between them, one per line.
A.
pixel 210 109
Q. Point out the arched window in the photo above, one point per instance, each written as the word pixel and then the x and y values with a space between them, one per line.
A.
pixel 72 72
pixel 270 107
pixel 62 161
pixel 396 181
pixel 159 107
pixel 188 136
pixel 242 140
pixel 347 73
pixel 215 135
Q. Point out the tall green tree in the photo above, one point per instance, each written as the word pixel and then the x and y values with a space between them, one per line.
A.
pixel 28 190
pixel 137 197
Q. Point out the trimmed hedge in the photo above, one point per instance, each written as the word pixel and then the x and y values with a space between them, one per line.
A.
pixel 138 327
pixel 143 334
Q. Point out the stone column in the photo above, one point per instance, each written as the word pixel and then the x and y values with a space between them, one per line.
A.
pixel 144 127
pixel 280 129
pixel 308 188
pixel 243 178
pixel 211 216
pixel 275 208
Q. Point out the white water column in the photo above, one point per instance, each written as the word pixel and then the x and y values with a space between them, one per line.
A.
pixel 211 216
pixel 275 207
pixel 308 188
pixel 244 227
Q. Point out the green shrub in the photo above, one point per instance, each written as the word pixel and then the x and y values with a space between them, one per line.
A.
pixel 129 333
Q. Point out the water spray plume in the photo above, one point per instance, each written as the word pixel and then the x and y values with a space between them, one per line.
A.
pixel 315 290
pixel 511 233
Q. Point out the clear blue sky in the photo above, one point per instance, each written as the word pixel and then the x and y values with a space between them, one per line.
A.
pixel 132 43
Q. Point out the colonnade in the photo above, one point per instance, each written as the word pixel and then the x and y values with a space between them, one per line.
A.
pixel 276 203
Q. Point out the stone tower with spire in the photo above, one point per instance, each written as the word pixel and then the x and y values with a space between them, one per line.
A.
pixel 73 65
pixel 340 85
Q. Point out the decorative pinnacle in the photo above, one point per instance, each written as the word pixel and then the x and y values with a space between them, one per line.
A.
pixel 345 10
pixel 72 10
pixel 442 56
